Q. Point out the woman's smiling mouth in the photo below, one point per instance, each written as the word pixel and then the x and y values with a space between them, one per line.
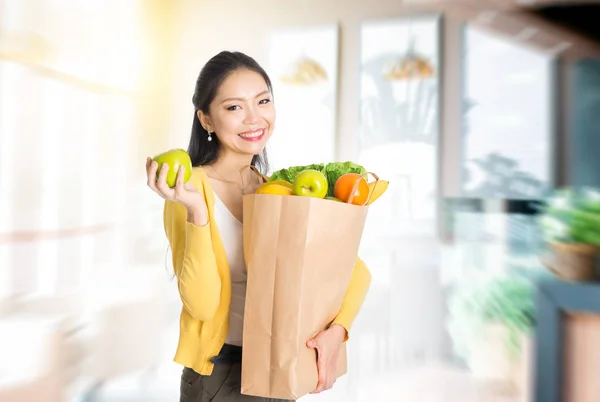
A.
pixel 254 135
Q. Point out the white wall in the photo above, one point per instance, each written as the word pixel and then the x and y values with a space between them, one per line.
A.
pixel 206 28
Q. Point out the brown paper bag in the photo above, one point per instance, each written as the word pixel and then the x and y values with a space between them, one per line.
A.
pixel 300 253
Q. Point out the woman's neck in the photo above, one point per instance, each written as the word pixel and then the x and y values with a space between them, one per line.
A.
pixel 229 166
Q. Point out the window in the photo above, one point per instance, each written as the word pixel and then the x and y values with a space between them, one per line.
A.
pixel 66 118
pixel 507 118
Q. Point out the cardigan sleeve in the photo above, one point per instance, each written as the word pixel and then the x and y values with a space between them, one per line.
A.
pixel 194 262
pixel 360 283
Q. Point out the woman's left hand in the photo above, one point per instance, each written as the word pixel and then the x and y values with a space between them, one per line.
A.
pixel 327 343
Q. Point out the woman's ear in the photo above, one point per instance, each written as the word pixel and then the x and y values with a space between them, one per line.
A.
pixel 205 121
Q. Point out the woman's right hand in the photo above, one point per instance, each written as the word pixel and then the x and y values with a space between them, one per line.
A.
pixel 183 193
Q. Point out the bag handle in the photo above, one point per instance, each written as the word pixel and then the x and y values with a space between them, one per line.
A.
pixel 255 170
pixel 357 182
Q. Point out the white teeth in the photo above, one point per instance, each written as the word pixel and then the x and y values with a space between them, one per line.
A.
pixel 252 135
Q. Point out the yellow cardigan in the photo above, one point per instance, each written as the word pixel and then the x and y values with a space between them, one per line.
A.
pixel 204 282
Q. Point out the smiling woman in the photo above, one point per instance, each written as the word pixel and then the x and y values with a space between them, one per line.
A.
pixel 233 100
pixel 248 118
pixel 203 218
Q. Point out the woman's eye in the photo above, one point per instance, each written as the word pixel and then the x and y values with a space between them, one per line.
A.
pixel 235 107
pixel 264 101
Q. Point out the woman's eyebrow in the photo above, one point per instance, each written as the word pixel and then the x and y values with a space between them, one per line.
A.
pixel 242 99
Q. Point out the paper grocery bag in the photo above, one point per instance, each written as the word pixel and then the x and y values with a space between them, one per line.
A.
pixel 300 253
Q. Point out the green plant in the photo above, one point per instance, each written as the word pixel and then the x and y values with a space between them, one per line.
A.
pixel 572 216
pixel 506 300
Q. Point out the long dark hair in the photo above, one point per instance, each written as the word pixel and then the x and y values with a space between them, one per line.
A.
pixel 202 151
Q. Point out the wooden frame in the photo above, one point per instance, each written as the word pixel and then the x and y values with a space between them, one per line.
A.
pixel 554 298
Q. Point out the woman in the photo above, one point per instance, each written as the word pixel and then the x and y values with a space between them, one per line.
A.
pixel 233 121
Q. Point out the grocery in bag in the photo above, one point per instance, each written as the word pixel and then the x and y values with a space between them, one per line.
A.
pixel 300 252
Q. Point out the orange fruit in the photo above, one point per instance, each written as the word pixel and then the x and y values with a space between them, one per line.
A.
pixel 345 184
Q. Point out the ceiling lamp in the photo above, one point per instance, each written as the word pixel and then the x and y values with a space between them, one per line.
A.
pixel 305 72
pixel 410 67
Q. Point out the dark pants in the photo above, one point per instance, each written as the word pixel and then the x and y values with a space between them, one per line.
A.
pixel 223 385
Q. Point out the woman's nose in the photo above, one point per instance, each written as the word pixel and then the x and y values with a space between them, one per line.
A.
pixel 252 116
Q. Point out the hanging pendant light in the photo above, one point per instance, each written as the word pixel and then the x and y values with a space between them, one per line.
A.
pixel 411 66
pixel 305 71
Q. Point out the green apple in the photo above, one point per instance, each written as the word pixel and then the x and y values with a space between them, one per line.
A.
pixel 311 183
pixel 175 158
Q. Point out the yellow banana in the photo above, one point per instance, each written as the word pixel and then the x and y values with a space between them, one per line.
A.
pixel 274 188
pixel 376 190
pixel 281 182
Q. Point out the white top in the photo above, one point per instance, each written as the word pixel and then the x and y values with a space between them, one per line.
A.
pixel 230 229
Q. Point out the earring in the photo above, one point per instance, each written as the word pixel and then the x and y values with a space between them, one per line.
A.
pixel 209 135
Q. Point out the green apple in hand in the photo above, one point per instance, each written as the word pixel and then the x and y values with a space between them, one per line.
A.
pixel 174 158
pixel 311 183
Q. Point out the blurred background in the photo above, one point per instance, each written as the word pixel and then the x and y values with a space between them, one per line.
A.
pixel 475 110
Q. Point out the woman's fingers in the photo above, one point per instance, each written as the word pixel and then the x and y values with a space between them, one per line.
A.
pixel 331 379
pixel 164 189
pixel 151 173
pixel 322 371
pixel 181 192
pixel 179 188
pixel 322 377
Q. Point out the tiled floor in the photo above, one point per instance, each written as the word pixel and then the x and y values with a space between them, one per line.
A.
pixel 442 384
pixel 161 385
pixel 432 384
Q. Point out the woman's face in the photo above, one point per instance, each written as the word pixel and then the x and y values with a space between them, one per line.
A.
pixel 242 114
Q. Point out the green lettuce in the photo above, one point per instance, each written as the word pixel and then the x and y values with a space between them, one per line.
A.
pixel 290 173
pixel 332 172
